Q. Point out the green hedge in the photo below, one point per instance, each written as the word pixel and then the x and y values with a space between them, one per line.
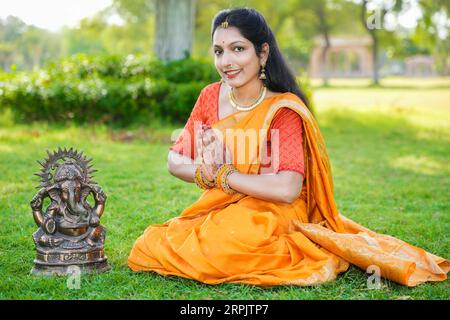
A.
pixel 106 89
pixel 111 89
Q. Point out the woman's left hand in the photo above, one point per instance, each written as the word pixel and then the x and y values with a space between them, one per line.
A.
pixel 213 151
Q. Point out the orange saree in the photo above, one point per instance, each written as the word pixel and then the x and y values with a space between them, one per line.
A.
pixel 242 239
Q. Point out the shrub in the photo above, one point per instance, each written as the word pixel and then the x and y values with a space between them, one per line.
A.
pixel 106 89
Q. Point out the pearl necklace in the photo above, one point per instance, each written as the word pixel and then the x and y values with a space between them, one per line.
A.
pixel 249 107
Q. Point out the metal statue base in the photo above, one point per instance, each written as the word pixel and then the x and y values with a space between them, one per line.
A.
pixel 57 262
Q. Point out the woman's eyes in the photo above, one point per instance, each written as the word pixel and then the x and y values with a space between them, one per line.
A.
pixel 218 52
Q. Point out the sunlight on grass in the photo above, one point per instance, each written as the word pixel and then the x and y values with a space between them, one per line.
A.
pixel 5 148
pixel 428 108
pixel 432 82
pixel 363 98
pixel 424 101
pixel 421 165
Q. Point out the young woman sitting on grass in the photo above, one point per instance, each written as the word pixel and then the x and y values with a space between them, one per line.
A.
pixel 267 215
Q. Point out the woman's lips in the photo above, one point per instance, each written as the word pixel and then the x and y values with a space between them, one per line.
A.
pixel 232 74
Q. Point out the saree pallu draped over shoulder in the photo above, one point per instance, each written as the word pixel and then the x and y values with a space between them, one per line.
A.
pixel 242 239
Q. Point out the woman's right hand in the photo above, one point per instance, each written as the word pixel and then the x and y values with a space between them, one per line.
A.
pixel 212 153
pixel 208 165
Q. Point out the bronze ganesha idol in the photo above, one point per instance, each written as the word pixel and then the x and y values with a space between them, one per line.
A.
pixel 69 231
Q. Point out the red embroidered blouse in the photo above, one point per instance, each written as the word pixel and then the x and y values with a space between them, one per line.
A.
pixel 288 122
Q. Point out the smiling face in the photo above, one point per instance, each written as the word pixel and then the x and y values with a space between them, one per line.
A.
pixel 235 57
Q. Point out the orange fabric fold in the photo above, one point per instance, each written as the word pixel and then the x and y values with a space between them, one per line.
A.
pixel 241 239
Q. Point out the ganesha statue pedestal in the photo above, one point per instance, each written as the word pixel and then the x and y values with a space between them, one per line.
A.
pixel 70 235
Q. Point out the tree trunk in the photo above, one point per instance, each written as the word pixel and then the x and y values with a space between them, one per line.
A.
pixel 373 35
pixel 36 56
pixel 325 28
pixel 174 28
pixel 376 65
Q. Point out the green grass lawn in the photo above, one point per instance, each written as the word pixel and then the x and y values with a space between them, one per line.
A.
pixel 391 173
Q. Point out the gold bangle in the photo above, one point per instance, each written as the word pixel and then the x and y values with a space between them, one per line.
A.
pixel 210 184
pixel 197 179
pixel 221 178
pixel 219 173
pixel 225 186
pixel 200 181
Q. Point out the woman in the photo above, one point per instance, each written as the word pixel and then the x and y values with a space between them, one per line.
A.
pixel 267 215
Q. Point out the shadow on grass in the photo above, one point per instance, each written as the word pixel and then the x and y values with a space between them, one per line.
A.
pixel 390 175
pixel 376 139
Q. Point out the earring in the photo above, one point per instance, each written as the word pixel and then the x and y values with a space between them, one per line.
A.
pixel 263 74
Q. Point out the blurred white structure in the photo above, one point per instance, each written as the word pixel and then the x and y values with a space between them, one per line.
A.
pixel 346 57
pixel 420 66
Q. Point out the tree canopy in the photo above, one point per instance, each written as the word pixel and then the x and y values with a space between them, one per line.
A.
pixel 296 24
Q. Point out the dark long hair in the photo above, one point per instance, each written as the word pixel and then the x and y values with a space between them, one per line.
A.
pixel 254 27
